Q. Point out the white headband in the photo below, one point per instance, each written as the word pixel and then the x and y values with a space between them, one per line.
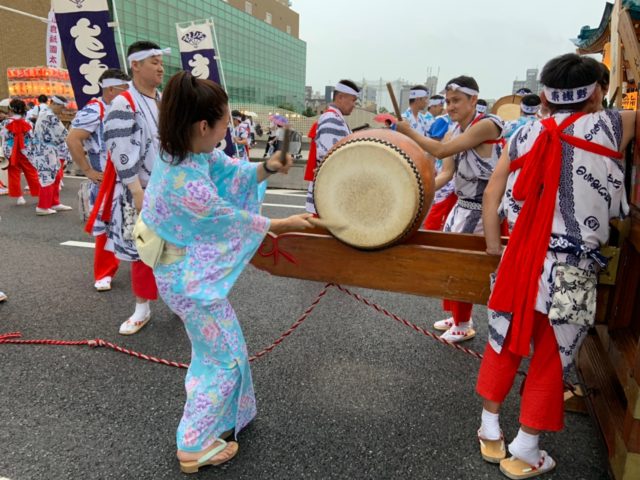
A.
pixel 144 54
pixel 481 108
pixel 531 110
pixel 566 96
pixel 413 94
pixel 57 101
pixel 112 82
pixel 457 88
pixel 342 88
pixel 437 101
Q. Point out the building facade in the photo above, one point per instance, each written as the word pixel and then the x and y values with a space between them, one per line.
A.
pixel 261 62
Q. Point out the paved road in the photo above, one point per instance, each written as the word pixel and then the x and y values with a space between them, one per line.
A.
pixel 350 395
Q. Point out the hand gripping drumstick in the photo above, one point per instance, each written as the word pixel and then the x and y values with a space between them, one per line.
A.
pixel 396 108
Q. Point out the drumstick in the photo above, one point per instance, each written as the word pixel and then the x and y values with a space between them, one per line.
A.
pixel 319 222
pixel 396 108
pixel 285 145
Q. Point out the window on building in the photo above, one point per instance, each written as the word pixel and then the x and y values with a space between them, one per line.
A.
pixel 289 29
pixel 248 7
pixel 268 18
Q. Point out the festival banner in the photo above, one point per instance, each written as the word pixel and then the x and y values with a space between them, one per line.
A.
pixel 198 55
pixel 53 47
pixel 88 44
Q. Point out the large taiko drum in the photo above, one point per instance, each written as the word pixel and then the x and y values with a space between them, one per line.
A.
pixel 507 107
pixel 374 189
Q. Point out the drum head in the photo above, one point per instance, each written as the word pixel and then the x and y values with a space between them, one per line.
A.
pixel 369 193
pixel 507 108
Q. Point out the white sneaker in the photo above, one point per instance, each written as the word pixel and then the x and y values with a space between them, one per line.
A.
pixel 3 297
pixel 61 208
pixel 21 201
pixel 103 285
pixel 44 211
pixel 457 334
pixel 132 325
pixel 4 191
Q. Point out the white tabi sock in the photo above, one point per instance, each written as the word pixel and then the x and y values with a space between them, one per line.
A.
pixel 490 427
pixel 525 447
pixel 142 310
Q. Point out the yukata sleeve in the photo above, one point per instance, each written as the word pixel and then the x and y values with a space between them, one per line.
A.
pixel 4 137
pixel 221 237
pixel 123 138
pixel 241 180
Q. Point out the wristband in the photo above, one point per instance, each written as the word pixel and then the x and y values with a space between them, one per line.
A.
pixel 267 169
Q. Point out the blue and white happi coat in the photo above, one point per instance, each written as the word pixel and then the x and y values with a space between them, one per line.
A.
pixel 132 140
pixel 90 120
pixel 332 127
pixel 591 192
pixel 471 178
pixel 48 146
pixel 511 127
pixel 420 124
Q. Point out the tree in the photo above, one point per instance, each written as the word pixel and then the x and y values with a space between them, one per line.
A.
pixel 383 110
pixel 309 112
pixel 287 106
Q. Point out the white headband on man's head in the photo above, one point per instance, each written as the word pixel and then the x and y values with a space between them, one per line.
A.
pixel 437 101
pixel 58 101
pixel 481 108
pixel 342 88
pixel 567 96
pixel 144 54
pixel 113 82
pixel 413 94
pixel 457 88
pixel 528 109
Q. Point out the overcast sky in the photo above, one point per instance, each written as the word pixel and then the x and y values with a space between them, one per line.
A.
pixel 495 41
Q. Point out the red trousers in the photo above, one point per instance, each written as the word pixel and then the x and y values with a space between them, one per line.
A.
pixel 439 212
pixel 460 311
pixel 30 173
pixel 105 263
pixel 542 405
pixel 143 283
pixel 50 195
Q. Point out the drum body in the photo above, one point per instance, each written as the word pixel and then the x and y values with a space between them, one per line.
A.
pixel 374 189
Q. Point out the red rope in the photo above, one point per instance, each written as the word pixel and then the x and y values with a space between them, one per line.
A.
pixel 14 337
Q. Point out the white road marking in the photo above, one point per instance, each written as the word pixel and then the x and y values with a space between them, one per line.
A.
pixel 73 243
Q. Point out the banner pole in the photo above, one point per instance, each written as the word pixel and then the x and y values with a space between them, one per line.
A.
pixel 222 78
pixel 120 42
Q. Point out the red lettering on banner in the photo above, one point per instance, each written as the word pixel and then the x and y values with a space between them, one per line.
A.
pixel 53 29
pixel 53 49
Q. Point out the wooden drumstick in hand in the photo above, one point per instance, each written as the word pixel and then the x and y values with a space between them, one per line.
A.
pixel 396 108
pixel 284 150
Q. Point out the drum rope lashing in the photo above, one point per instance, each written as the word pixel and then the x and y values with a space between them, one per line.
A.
pixel 14 338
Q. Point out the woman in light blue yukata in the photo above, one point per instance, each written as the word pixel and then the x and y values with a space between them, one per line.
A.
pixel 205 206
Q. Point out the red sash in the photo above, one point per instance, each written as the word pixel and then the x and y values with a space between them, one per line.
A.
pixel 104 199
pixel 18 127
pixel 312 162
pixel 498 141
pixel 516 287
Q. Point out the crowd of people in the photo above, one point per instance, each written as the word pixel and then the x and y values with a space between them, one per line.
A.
pixel 154 166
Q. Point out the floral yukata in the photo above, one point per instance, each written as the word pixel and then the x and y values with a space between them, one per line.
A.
pixel 208 205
